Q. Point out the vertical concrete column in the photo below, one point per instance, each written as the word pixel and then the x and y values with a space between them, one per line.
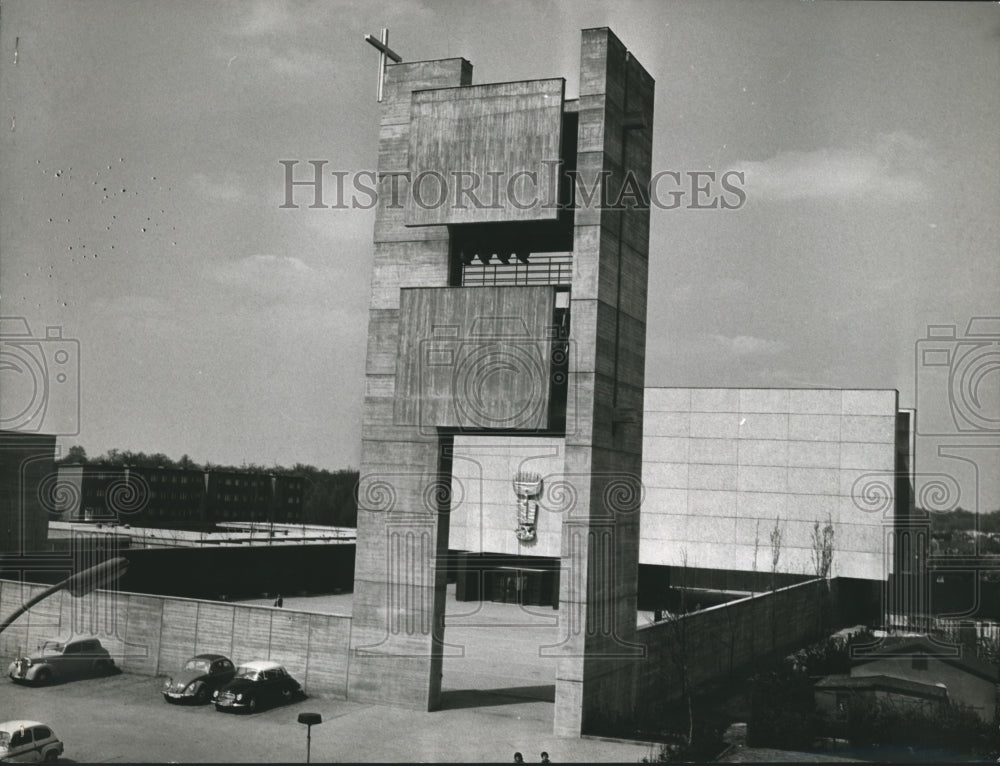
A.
pixel 398 615
pixel 598 654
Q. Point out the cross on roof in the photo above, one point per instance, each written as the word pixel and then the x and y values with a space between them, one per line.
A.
pixel 382 45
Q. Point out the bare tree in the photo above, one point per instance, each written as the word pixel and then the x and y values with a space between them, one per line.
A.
pixel 777 537
pixel 822 547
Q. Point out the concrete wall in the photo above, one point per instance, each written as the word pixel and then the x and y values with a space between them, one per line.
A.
pixel 483 511
pixel 28 491
pixel 720 462
pixel 718 640
pixel 155 635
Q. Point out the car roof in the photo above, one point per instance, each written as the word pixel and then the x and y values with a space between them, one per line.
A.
pixel 12 726
pixel 212 657
pixel 261 665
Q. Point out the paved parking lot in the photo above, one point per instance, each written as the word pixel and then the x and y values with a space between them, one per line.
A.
pixel 498 700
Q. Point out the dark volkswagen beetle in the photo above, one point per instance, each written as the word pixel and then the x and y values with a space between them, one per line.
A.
pixel 201 676
pixel 257 684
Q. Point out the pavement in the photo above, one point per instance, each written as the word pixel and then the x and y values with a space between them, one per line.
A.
pixel 498 699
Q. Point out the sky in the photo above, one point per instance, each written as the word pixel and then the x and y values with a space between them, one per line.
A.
pixel 140 207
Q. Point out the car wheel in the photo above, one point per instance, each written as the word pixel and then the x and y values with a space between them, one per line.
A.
pixel 51 757
pixel 201 696
pixel 43 676
pixel 252 705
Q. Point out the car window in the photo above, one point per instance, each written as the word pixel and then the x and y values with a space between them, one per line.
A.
pixel 52 647
pixel 196 664
pixel 72 649
pixel 41 732
pixel 19 738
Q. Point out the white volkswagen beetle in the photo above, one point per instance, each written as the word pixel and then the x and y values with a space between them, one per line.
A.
pixel 28 742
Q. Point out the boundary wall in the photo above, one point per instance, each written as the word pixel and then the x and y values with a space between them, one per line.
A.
pixel 715 642
pixel 155 635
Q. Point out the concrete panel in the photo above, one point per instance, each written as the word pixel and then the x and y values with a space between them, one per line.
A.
pixel 476 357
pixel 814 401
pixel 812 454
pixel 764 399
pixel 855 402
pixel 873 457
pixel 290 641
pixel 511 128
pixel 753 478
pixel 715 400
pixel 762 506
pixel 665 500
pixel 251 634
pixel 757 425
pixel 774 452
pixel 666 475
pixel 824 428
pixel 667 424
pixel 668 449
pixel 329 639
pixel 214 630
pixel 177 634
pixel 702 476
pixel 807 507
pixel 868 428
pixel 713 425
pixel 711 502
pixel 667 400
pixel 711 529
pixel 712 451
pixel 142 631
pixel 663 526
pixel 813 481
pixel 14 638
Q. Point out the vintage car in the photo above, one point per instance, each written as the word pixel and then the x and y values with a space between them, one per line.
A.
pixel 201 676
pixel 257 684
pixel 61 661
pixel 27 742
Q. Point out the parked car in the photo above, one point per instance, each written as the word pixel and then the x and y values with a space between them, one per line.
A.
pixel 201 676
pixel 27 742
pixel 62 660
pixel 257 684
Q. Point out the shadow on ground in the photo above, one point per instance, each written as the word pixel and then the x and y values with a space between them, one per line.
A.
pixel 470 698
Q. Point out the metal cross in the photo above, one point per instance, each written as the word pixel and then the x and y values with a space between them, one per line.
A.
pixel 383 51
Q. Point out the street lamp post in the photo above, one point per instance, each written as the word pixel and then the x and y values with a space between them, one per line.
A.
pixel 79 584
pixel 310 720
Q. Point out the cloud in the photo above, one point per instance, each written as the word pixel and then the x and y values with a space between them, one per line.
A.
pixel 226 190
pixel 890 168
pixel 279 277
pixel 266 17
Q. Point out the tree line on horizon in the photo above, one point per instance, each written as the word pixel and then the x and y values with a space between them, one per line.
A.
pixel 329 497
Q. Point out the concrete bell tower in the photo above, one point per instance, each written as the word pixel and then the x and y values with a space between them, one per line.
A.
pixel 508 298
